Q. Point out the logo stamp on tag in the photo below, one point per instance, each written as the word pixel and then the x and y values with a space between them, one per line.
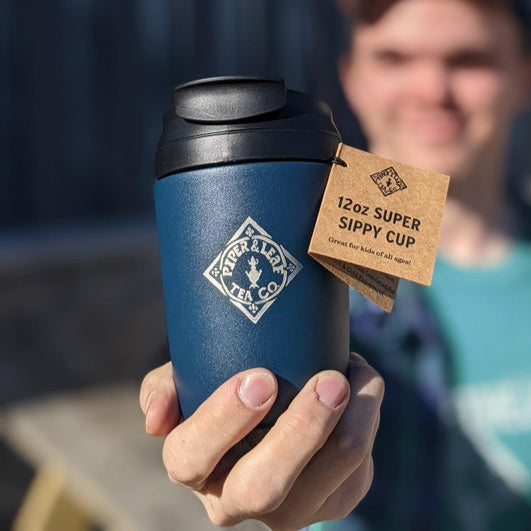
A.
pixel 388 181
pixel 252 270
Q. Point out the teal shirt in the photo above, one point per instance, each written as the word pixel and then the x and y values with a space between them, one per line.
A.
pixel 482 378
pixel 485 315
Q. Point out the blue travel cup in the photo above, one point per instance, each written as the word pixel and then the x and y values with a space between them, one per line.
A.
pixel 241 168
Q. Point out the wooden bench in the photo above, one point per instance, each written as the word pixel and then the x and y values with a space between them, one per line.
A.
pixel 97 468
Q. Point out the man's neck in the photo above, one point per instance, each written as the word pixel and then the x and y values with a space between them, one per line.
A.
pixel 475 230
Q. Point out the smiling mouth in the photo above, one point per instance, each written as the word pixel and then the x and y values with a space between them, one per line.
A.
pixel 436 129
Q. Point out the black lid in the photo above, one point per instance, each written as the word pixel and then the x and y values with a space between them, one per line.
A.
pixel 233 119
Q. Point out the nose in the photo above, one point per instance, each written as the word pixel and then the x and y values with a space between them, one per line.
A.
pixel 431 83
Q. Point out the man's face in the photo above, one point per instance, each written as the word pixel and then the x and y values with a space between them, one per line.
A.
pixel 435 83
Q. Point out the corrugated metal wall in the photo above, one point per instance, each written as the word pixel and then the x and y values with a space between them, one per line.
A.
pixel 85 82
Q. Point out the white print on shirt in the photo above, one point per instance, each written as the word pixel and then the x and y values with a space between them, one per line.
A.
pixel 503 408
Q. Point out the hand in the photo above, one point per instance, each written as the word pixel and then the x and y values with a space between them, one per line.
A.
pixel 314 464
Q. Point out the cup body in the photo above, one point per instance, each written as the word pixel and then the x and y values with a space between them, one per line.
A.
pixel 240 290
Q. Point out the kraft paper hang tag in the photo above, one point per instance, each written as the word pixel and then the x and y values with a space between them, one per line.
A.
pixel 379 221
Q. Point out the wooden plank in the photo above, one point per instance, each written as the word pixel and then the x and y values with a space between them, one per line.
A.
pixel 47 506
pixel 113 470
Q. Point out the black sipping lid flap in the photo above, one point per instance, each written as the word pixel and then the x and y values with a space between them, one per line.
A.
pixel 226 120
pixel 228 99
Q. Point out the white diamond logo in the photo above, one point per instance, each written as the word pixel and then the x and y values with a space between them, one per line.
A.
pixel 252 270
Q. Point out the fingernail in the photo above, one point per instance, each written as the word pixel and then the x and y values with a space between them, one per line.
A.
pixel 256 389
pixel 356 357
pixel 150 399
pixel 331 390
pixel 149 403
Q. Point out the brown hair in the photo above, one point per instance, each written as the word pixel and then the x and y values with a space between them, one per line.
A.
pixel 370 11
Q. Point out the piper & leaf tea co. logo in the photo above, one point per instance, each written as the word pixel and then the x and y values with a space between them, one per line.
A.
pixel 388 181
pixel 252 270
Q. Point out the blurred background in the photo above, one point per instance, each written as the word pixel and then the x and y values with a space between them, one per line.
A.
pixel 83 87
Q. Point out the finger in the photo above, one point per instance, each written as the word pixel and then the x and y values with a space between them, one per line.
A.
pixel 353 437
pixel 150 383
pixel 262 478
pixel 194 448
pixel 347 447
pixel 349 494
pixel 159 401
pixel 354 356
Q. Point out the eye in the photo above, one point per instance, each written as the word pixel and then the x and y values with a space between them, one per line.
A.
pixel 390 57
pixel 472 59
